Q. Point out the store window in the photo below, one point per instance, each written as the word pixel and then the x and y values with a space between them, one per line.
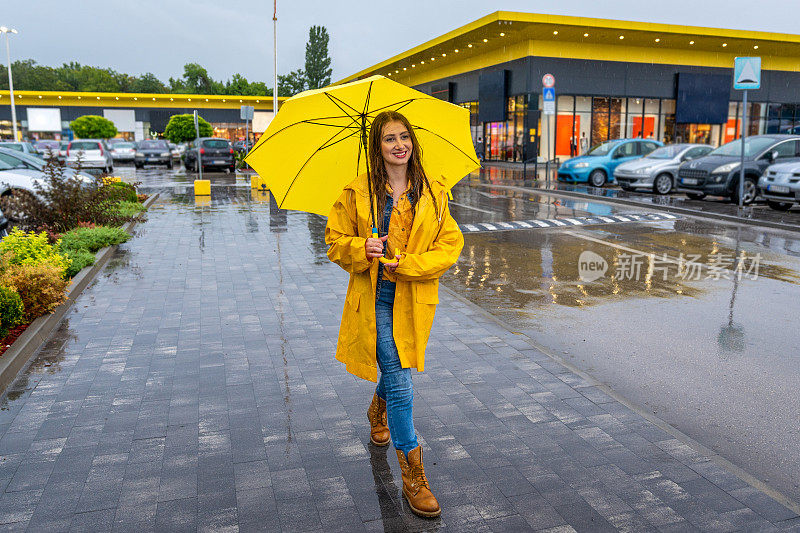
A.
pixel 504 141
pixel 606 118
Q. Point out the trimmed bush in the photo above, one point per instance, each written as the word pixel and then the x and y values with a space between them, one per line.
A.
pixel 92 239
pixel 79 259
pixel 42 287
pixel 129 209
pixel 11 310
pixel 126 192
pixel 21 248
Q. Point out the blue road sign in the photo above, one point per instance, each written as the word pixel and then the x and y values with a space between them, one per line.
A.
pixel 548 94
pixel 747 73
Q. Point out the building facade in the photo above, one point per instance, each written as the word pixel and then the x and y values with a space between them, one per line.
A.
pixel 47 114
pixel 614 79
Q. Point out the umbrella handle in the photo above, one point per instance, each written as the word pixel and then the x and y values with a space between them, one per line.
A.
pixel 384 260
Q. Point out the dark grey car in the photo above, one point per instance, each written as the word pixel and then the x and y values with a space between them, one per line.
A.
pixel 214 153
pixel 658 170
pixel 152 152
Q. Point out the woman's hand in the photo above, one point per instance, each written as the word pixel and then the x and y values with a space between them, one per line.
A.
pixel 390 267
pixel 374 247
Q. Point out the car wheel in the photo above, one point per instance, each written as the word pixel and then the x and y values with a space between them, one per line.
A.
pixel 779 206
pixel 137 165
pixel 170 166
pixel 662 184
pixel 597 178
pixel 750 192
pixel 696 195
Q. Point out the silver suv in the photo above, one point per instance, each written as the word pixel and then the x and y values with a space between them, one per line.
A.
pixel 93 153
pixel 780 185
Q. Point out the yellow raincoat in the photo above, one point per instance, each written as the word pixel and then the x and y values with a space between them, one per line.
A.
pixel 434 244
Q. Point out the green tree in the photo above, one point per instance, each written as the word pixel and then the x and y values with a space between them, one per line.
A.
pixel 195 80
pixel 147 83
pixel 292 83
pixel 318 63
pixel 180 128
pixel 93 127
pixel 28 76
pixel 92 79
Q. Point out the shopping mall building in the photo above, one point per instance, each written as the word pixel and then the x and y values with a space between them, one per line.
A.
pixel 47 114
pixel 613 79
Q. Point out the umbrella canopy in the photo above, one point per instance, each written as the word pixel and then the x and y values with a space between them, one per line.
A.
pixel 316 144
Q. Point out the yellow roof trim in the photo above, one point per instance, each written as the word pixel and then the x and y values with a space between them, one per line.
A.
pixel 98 99
pixel 781 51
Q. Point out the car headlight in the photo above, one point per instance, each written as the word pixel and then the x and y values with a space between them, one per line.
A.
pixel 723 169
pixel 164 154
pixel 581 165
pixel 644 170
pixel 139 155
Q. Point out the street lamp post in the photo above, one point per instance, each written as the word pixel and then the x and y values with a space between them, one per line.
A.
pixel 5 30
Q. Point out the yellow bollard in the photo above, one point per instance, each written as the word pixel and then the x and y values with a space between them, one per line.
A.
pixel 202 187
pixel 200 201
pixel 258 195
pixel 257 182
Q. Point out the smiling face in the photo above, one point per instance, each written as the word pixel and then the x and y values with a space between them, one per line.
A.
pixel 396 144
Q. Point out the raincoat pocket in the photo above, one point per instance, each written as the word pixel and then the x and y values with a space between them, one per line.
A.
pixel 353 299
pixel 428 292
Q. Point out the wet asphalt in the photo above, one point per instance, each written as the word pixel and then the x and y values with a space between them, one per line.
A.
pixel 670 325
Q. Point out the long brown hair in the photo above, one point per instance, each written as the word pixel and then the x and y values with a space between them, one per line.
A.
pixel 377 167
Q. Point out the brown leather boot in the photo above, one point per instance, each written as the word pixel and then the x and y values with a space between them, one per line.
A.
pixel 415 484
pixel 379 431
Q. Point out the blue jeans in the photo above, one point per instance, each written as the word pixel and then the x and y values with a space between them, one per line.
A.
pixel 394 385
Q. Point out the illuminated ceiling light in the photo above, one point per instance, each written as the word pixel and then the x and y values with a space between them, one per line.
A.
pixel 444 55
pixel 585 34
pixel 469 45
pixel 396 71
pixel 240 101
pixel 404 68
pixel 78 97
pixel 486 40
pixel 502 35
pixel 222 99
pixel 421 62
pixel 40 96
pixel 207 100
pixel 724 45
pixel 433 59
pixel 621 36
pixel 390 74
pixel 189 99
pixel 171 99
pixel 755 47
pixel 59 97
pixel 555 32
pixel 154 98
pixel 413 65
pixel 257 101
pixel 691 42
pixel 135 98
pixel 115 98
pixel 456 50
pixel 658 40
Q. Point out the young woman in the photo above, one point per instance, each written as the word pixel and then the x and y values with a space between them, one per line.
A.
pixel 389 306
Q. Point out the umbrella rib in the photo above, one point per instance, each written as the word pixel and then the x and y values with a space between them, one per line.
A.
pixel 338 101
pixel 366 101
pixel 289 188
pixel 326 145
pixel 306 121
pixel 445 140
pixel 404 102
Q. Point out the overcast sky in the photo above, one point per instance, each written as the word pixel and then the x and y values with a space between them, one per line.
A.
pixel 230 36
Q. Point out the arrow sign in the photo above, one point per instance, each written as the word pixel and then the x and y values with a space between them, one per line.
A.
pixel 747 73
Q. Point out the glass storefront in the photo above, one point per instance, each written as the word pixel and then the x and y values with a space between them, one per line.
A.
pixel 581 122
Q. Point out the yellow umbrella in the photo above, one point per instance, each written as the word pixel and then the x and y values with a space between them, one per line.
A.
pixel 316 144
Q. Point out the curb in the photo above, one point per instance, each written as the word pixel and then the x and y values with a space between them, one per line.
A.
pixel 16 358
pixel 644 413
pixel 730 219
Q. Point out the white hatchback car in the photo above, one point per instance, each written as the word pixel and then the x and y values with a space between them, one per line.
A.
pixel 93 153
pixel 779 185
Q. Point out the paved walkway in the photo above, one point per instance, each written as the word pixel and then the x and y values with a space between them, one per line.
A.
pixel 193 387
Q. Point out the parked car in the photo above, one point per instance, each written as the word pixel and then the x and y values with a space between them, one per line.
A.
pixel 597 166
pixel 22 146
pixel 123 151
pixel 19 172
pixel 658 170
pixel 717 173
pixel 3 226
pixel 63 150
pixel 242 146
pixel 153 152
pixel 173 149
pixel 93 153
pixel 780 185
pixel 214 153
pixel 46 148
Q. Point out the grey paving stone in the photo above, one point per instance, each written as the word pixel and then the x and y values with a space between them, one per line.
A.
pixel 194 387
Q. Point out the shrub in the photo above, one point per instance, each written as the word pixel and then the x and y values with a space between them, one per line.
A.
pixel 79 259
pixel 21 248
pixel 93 127
pixel 180 128
pixel 42 287
pixel 124 191
pixel 129 209
pixel 11 310
pixel 64 200
pixel 92 239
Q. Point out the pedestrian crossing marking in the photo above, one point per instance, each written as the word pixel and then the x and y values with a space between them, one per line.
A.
pixel 561 222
